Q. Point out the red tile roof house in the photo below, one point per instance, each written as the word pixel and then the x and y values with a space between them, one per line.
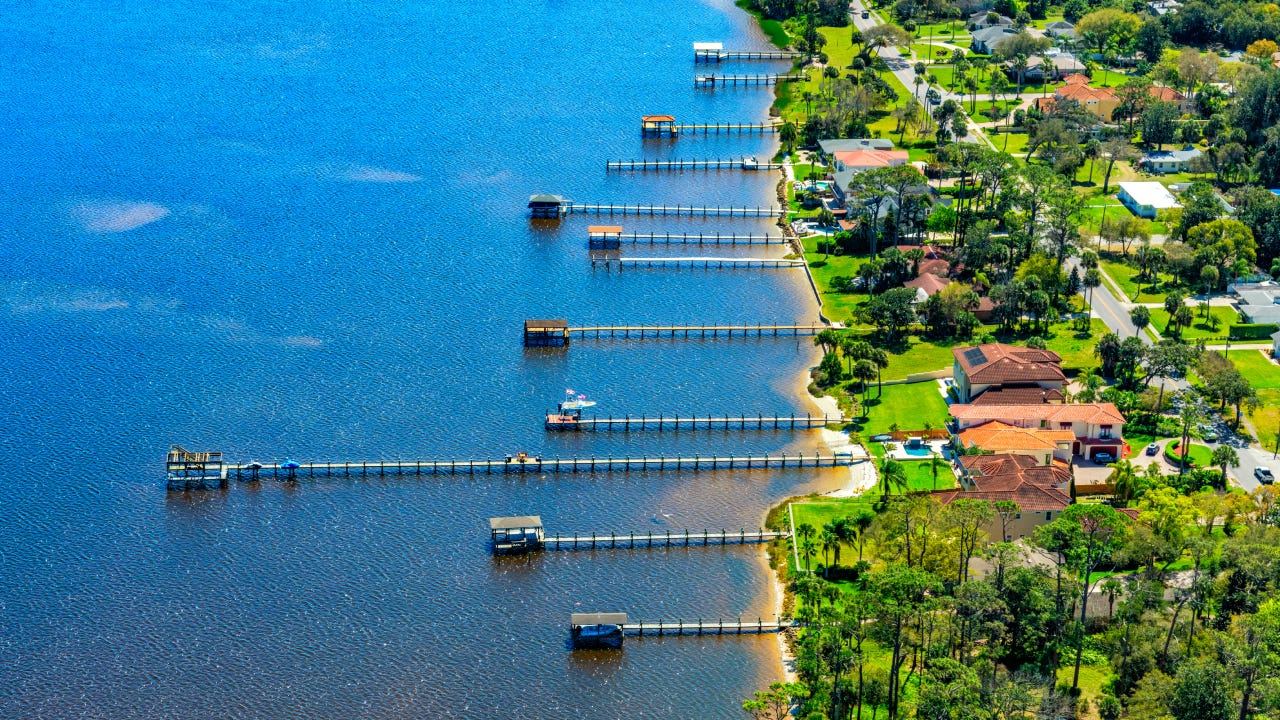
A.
pixel 995 365
pixel 1040 491
pixel 1096 427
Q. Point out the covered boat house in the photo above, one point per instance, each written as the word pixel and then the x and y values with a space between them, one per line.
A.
pixel 596 630
pixel 546 205
pixel 516 534
pixel 546 332
pixel 657 125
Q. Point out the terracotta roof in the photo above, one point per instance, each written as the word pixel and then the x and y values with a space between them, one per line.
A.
pixel 1018 396
pixel 657 118
pixel 931 284
pixel 848 225
pixel 1167 94
pixel 1002 437
pixel 1030 498
pixel 930 252
pixel 1092 413
pixel 997 464
pixel 872 158
pixel 985 304
pixel 935 266
pixel 1083 93
pixel 1076 79
pixel 997 363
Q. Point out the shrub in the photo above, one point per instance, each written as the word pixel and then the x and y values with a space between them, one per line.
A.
pixel 1253 331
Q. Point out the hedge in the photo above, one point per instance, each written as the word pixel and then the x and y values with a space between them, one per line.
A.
pixel 1253 331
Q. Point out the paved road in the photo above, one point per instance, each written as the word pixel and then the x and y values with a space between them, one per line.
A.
pixel 1115 313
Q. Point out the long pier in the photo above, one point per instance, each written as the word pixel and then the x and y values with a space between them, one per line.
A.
pixel 702 239
pixel 746 163
pixel 713 81
pixel 705 263
pixel 707 627
pixel 710 56
pixel 573 422
pixel 708 128
pixel 700 331
pixel 512 464
pixel 677 210
pixel 651 539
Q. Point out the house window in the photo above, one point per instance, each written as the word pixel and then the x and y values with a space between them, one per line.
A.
pixel 1048 516
pixel 1064 426
pixel 1104 432
pixel 1017 516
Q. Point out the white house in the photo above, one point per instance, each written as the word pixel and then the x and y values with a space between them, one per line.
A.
pixel 1171 161
pixel 1145 199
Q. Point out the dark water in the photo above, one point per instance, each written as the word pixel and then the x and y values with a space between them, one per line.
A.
pixel 282 229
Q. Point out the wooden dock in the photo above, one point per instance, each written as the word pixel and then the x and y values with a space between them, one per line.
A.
pixel 651 539
pixel 746 163
pixel 713 56
pixel 714 81
pixel 707 627
pixel 688 331
pixel 556 421
pixel 689 238
pixel 531 464
pixel 676 210
pixel 708 128
pixel 703 263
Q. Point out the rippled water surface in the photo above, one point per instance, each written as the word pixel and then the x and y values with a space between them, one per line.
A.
pixel 298 230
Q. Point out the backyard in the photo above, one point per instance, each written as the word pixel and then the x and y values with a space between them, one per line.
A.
pixel 909 406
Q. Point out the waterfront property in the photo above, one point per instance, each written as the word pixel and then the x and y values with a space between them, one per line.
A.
pixel 1146 199
pixel 1095 428
pixel 1041 490
pixel 995 366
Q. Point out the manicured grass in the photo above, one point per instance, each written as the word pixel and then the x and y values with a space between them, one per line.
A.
pixel 1075 348
pixel 920 476
pixel 818 514
pixel 919 356
pixel 804 170
pixel 908 407
pixel 1014 143
pixel 772 28
pixel 1200 456
pixel 1266 419
pixel 1200 328
pixel 1126 276
pixel 1092 677
pixel 1258 367
pixel 942 32
pixel 837 306
pixel 925 51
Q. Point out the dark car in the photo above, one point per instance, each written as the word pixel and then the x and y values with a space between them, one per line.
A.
pixel 1264 475
pixel 1153 448
pixel 865 14
pixel 1103 458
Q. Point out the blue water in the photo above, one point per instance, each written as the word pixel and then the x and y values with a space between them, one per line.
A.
pixel 298 230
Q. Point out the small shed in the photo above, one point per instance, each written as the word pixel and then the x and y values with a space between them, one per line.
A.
pixel 597 630
pixel 657 125
pixel 1275 345
pixel 516 534
pixel 546 332
pixel 604 237
pixel 546 205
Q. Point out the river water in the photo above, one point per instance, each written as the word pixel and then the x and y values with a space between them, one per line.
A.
pixel 298 230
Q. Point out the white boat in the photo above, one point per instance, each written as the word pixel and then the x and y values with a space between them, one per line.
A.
pixel 576 401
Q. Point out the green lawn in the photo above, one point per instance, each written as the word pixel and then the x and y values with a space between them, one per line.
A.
pixel 837 306
pixel 919 356
pixel 1258 367
pixel 818 514
pixel 920 477
pixel 1126 277
pixel 907 407
pixel 1200 456
pixel 1267 417
pixel 1200 328
pixel 925 51
pixel 942 32
pixel 1076 349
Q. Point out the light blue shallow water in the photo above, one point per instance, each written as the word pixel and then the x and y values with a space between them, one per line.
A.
pixel 279 230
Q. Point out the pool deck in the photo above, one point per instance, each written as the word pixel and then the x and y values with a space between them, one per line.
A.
pixel 899 451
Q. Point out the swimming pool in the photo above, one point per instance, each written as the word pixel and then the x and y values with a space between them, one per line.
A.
pixel 921 451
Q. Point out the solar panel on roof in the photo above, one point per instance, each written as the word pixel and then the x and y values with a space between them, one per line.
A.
pixel 975 356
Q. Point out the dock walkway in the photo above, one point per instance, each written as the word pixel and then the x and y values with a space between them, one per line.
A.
pixel 710 56
pixel 707 627
pixel 535 464
pixel 677 210
pixel 571 422
pixel 746 163
pixel 655 331
pixel 704 263
pixel 690 238
pixel 714 81
pixel 708 128
pixel 651 539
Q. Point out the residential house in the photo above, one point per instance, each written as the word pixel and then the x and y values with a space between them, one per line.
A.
pixel 1100 102
pixel 927 284
pixel 1145 199
pixel 1275 344
pixel 832 146
pixel 1169 95
pixel 986 310
pixel 985 40
pixel 1019 395
pixel 1258 302
pixel 988 18
pixel 1163 7
pixel 1170 161
pixel 1000 437
pixel 1054 64
pixel 847 163
pixel 1041 491
pixel 1061 30
pixel 1094 427
pixel 981 368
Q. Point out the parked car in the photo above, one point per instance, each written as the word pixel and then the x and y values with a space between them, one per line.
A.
pixel 933 96
pixel 865 14
pixel 1210 436
pixel 1153 448
pixel 1103 458
pixel 1264 475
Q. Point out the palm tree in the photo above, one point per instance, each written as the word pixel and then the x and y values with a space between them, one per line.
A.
pixel 892 474
pixel 935 462
pixel 1189 416
pixel 1124 481
pixel 808 549
pixel 787 134
pixel 1224 456
pixel 829 543
pixel 1019 66
pixel 1111 587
